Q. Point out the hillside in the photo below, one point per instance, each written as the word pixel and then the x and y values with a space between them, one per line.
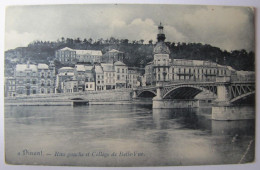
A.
pixel 136 53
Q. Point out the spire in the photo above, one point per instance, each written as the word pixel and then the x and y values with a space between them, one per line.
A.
pixel 160 35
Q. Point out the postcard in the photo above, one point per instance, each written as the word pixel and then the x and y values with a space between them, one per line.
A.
pixel 129 85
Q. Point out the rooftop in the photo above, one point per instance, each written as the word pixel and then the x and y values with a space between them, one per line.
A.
pixel 43 66
pixel 23 67
pixel 119 63
pixel 108 67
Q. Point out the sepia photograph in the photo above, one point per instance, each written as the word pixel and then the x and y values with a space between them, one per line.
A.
pixel 129 85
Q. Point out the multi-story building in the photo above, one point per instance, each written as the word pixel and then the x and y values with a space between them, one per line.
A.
pixel 71 86
pixel 26 76
pixel 71 56
pixel 10 87
pixel 161 60
pixel 66 55
pixel 89 56
pixel 89 78
pixel 46 78
pixel 109 76
pixel 113 56
pixel 133 78
pixel 121 74
pixel 64 73
pixel 99 78
pixel 163 69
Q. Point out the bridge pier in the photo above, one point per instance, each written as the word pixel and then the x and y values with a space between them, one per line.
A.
pixel 174 103
pixel 233 112
pixel 134 94
pixel 223 109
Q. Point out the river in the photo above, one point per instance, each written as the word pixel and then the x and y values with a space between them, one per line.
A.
pixel 124 135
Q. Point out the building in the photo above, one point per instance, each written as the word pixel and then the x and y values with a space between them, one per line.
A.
pixel 161 60
pixel 10 87
pixel 26 76
pixel 109 76
pixel 121 73
pixel 99 78
pixel 113 56
pixel 149 74
pixel 164 69
pixel 64 73
pixel 89 78
pixel 71 56
pixel 66 55
pixel 88 56
pixel 133 76
pixel 46 78
pixel 70 86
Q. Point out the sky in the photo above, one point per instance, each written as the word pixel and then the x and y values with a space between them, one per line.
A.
pixel 229 28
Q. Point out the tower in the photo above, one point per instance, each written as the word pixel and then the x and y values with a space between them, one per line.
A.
pixel 161 58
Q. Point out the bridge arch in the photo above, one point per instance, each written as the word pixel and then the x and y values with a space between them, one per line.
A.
pixel 243 96
pixel 185 92
pixel 146 93
pixel 76 99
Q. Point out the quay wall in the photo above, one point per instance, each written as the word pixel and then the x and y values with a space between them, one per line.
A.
pixel 94 97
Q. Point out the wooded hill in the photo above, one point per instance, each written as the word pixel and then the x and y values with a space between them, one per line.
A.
pixel 137 54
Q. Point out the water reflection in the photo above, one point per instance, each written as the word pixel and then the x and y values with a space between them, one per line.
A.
pixel 166 136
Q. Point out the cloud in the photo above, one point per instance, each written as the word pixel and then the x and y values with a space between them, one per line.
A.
pixel 229 28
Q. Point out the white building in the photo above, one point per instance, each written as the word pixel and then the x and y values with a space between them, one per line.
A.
pixel 121 74
pixel 71 56
pixel 109 76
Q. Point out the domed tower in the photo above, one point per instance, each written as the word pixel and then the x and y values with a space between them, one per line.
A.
pixel 161 57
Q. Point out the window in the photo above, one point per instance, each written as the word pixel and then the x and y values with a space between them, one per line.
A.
pixel 118 77
pixel 34 91
pixel 123 70
pixel 118 70
pixel 42 90
pixel 91 86
pixel 28 81
pixel 98 82
pixel 98 76
pixel 86 86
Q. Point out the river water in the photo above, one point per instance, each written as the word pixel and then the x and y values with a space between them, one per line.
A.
pixel 124 135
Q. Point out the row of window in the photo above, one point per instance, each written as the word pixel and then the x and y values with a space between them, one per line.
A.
pixel 198 71
pixel 122 70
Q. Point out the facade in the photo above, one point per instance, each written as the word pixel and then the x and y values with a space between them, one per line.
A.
pixel 70 86
pixel 121 74
pixel 71 56
pixel 46 79
pixel 133 79
pixel 64 73
pixel 99 78
pixel 10 87
pixel 161 60
pixel 66 55
pixel 113 56
pixel 109 76
pixel 163 69
pixel 26 76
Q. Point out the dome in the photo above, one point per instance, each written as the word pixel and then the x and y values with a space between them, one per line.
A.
pixel 161 48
